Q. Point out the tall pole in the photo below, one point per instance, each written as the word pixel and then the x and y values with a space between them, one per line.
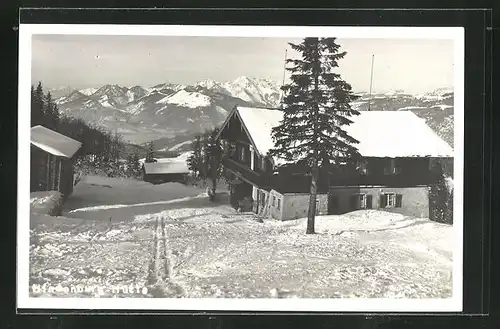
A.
pixel 116 140
pixel 284 71
pixel 371 83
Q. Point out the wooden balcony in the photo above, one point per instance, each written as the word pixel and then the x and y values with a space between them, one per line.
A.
pixel 244 172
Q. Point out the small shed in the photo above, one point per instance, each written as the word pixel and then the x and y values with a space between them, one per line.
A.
pixel 166 170
pixel 51 161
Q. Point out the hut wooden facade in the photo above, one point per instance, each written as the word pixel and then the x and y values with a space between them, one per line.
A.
pixel 52 161
pixel 394 173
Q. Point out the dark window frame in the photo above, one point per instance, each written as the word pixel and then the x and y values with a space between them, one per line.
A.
pixel 391 199
pixel 362 166
pixel 392 168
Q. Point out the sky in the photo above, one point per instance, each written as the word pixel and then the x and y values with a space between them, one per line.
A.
pixel 83 61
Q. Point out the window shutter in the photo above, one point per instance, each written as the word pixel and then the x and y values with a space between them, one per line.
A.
pixel 353 202
pixel 399 200
pixel 369 200
pixel 383 201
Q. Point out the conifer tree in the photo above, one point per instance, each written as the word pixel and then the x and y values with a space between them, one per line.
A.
pixel 150 156
pixel 37 110
pixel 136 164
pixel 35 114
pixel 51 112
pixel 205 160
pixel 130 165
pixel 316 109
pixel 204 170
pixel 133 165
pixel 213 157
pixel 440 196
pixel 195 159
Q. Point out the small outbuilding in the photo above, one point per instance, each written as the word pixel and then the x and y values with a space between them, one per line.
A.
pixel 165 170
pixel 52 161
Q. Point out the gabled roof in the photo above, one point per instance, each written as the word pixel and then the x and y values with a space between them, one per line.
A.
pixel 53 142
pixel 380 133
pixel 166 167
pixel 258 123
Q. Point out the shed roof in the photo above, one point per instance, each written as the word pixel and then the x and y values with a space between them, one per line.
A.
pixel 167 167
pixel 380 133
pixel 53 142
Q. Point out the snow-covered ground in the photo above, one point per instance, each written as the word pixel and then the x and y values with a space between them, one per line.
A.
pixel 172 241
pixel 45 202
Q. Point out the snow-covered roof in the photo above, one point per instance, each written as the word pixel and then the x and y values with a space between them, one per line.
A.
pixel 380 133
pixel 396 134
pixel 259 123
pixel 166 167
pixel 54 142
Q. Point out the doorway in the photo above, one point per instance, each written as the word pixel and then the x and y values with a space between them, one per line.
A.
pixel 333 204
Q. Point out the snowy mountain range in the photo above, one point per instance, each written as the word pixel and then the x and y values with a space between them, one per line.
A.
pixel 141 113
pixel 169 110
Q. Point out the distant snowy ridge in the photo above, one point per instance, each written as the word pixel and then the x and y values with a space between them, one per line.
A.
pixel 88 91
pixel 187 99
pixel 169 107
pixel 262 91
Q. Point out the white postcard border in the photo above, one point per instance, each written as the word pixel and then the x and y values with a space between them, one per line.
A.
pixel 453 304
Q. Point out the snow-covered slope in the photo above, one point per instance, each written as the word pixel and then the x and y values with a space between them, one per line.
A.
pixel 111 96
pixel 211 84
pixel 60 91
pixel 254 90
pixel 187 99
pixel 136 92
pixel 167 85
pixel 88 91
pixel 213 251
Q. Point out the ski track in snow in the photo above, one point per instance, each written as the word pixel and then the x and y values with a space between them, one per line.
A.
pixel 175 242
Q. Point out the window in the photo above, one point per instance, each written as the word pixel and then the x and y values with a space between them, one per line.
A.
pixel 274 200
pixel 263 163
pixel 361 167
pixel 391 200
pixel 242 154
pixel 368 203
pixel 399 200
pixel 392 168
pixel 359 201
pixel 279 204
pixel 262 198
